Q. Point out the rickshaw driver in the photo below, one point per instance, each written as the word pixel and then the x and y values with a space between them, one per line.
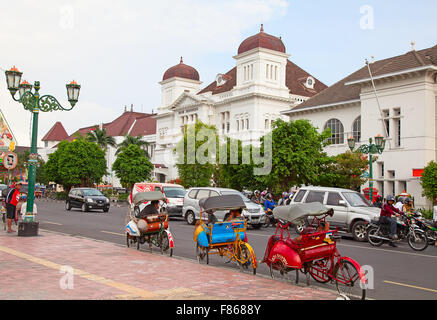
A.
pixel 323 227
pixel 234 215
pixel 151 208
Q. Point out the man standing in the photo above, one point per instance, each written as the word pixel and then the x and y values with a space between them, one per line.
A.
pixel 11 204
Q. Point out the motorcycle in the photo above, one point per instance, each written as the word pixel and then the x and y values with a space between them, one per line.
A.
pixel 428 226
pixel 270 219
pixel 407 228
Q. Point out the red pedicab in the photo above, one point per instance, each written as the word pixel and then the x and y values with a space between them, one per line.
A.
pixel 314 252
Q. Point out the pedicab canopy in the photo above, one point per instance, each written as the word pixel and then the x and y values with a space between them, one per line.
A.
pixel 226 202
pixel 141 197
pixel 294 212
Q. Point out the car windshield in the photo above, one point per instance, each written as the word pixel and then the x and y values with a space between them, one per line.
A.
pixel 355 199
pixel 174 192
pixel 91 192
pixel 245 199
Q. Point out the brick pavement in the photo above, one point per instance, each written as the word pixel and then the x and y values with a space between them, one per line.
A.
pixel 30 268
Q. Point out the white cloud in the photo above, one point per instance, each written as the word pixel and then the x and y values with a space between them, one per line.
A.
pixel 117 50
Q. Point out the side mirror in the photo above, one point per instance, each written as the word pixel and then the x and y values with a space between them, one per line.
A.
pixel 342 203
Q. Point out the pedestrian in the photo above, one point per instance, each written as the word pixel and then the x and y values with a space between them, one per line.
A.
pixel 23 208
pixel 11 205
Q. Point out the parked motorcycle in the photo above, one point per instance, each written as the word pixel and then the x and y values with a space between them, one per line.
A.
pixel 407 228
pixel 428 226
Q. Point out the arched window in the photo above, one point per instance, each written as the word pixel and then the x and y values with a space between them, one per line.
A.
pixel 356 129
pixel 337 131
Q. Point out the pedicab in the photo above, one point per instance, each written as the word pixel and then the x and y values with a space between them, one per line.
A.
pixel 152 228
pixel 226 239
pixel 314 252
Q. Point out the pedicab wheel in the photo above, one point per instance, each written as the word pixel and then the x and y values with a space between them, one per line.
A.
pixel 348 281
pixel 371 234
pixel 127 240
pixel 418 240
pixel 319 270
pixel 278 271
pixel 164 244
pixel 300 225
pixel 138 243
pixel 245 259
pixel 202 254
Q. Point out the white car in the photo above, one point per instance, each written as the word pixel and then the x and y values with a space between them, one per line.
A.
pixel 351 209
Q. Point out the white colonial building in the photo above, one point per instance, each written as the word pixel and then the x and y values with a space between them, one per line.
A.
pixel 242 103
pixel 406 89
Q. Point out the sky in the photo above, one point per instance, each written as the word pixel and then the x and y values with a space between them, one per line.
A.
pixel 119 50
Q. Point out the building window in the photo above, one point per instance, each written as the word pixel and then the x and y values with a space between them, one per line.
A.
pixel 46 144
pixel 386 119
pixel 356 129
pixel 397 127
pixel 276 73
pixel 267 71
pixel 337 131
pixel 247 124
pixel 238 125
pixel 266 124
pixel 251 71
pixel 242 125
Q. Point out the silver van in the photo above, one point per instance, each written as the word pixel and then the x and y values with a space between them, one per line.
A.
pixel 351 209
pixel 254 213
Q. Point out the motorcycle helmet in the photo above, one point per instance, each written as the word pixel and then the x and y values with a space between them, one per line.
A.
pixel 263 194
pixel 256 192
pixel 407 200
pixel 391 198
pixel 284 194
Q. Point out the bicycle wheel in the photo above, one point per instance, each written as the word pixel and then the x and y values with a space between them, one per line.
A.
pixel 417 240
pixel 278 271
pixel 164 244
pixel 372 235
pixel 202 254
pixel 319 270
pixel 246 261
pixel 348 281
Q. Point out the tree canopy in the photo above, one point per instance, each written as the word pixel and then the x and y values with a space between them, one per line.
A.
pixel 132 166
pixel 429 181
pixel 101 138
pixel 128 140
pixel 77 163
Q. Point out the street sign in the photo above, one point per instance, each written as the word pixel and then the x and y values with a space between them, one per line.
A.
pixel 10 160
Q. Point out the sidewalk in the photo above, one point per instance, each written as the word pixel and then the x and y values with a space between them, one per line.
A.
pixel 34 268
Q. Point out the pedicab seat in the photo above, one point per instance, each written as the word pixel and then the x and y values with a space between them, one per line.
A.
pixel 316 246
pixel 224 233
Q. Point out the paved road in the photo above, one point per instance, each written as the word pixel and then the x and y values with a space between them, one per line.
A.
pixel 400 273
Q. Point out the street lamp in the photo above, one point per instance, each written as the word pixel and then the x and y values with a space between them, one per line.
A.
pixel 34 103
pixel 369 149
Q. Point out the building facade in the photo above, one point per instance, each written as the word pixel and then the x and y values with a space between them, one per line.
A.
pixel 403 109
pixel 241 103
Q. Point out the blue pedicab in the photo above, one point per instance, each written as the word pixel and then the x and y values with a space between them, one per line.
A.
pixel 227 239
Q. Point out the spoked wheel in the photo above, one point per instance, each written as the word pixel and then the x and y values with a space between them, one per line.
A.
pixel 245 259
pixel 300 225
pixel 372 233
pixel 164 244
pixel 348 281
pixel 417 240
pixel 138 243
pixel 202 254
pixel 319 270
pixel 278 270
pixel 128 240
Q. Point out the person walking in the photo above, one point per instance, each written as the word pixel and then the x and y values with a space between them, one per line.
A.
pixel 11 205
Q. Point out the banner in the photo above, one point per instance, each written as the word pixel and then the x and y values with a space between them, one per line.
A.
pixel 6 135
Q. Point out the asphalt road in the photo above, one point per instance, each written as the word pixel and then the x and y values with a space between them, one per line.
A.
pixel 399 273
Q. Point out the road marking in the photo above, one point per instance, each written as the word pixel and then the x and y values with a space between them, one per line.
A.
pixel 49 222
pixel 410 286
pixel 118 234
pixel 393 251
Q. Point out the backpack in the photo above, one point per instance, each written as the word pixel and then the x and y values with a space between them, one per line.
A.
pixel 9 195
pixel 5 192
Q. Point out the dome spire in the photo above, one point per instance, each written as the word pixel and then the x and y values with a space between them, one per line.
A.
pixel 262 28
pixel 182 60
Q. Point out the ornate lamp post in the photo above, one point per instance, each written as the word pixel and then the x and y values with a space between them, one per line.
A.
pixel 369 149
pixel 35 103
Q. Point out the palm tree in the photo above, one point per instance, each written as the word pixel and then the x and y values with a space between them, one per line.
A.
pixel 101 138
pixel 128 140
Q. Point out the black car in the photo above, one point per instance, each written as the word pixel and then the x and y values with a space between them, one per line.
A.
pixel 86 199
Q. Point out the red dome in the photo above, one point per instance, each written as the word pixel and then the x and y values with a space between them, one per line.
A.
pixel 182 71
pixel 262 40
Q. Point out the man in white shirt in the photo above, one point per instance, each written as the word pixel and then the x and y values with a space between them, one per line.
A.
pixel 399 205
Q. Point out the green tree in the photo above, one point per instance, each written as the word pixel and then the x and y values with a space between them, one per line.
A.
pixel 345 170
pixel 128 140
pixel 132 166
pixel 199 139
pixel 296 151
pixel 78 163
pixel 429 181
pixel 101 138
pixel 239 175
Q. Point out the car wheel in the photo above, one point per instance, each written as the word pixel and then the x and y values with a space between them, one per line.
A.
pixel 105 210
pixel 190 217
pixel 84 208
pixel 256 226
pixel 68 205
pixel 359 231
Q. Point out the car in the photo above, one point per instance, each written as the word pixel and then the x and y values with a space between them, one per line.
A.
pixel 352 212
pixel 86 199
pixel 174 194
pixel 254 213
